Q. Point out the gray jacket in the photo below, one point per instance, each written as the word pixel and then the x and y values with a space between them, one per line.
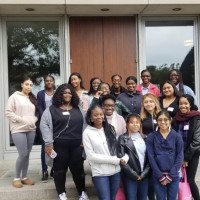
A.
pixel 46 128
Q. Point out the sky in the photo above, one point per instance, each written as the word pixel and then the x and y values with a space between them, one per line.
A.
pixel 167 45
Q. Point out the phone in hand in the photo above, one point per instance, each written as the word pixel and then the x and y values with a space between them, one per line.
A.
pixel 53 154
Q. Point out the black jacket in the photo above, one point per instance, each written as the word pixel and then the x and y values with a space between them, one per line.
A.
pixel 149 124
pixel 132 169
pixel 193 139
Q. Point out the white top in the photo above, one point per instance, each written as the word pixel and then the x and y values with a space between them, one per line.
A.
pixel 97 153
pixel 21 113
pixel 140 147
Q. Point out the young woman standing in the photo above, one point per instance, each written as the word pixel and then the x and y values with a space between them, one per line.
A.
pixel 135 171
pixel 21 111
pixel 187 123
pixel 62 133
pixel 165 153
pixel 44 98
pixel 100 144
pixel 149 110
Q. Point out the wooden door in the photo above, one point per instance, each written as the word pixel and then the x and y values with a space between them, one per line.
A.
pixel 103 46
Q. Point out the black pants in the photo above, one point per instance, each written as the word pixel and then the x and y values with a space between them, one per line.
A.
pixel 191 173
pixel 69 154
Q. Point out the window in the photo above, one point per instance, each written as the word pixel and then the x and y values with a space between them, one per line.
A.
pixel 170 45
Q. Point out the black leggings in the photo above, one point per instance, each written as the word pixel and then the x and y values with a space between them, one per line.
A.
pixel 191 173
pixel 69 154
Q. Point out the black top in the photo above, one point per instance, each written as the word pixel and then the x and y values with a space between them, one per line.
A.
pixel 172 109
pixel 67 124
pixel 149 124
pixel 112 91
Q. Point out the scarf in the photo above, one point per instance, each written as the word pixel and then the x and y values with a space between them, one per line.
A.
pixel 181 117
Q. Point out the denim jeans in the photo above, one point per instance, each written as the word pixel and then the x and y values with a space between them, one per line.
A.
pixel 107 186
pixel 135 189
pixel 170 190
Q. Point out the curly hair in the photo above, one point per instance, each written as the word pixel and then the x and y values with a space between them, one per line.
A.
pixel 57 99
pixel 108 96
pixel 108 129
pixel 79 76
pixel 143 112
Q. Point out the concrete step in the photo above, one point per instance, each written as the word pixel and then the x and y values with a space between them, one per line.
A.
pixel 39 191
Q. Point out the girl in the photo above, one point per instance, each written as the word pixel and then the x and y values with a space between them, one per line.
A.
pixel 187 123
pixel 61 132
pixel 100 146
pixel 149 110
pixel 44 98
pixel 87 99
pixel 169 98
pixel 131 145
pixel 21 111
pixel 165 153
pixel 131 98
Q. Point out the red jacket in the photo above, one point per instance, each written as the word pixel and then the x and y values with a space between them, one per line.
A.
pixel 152 89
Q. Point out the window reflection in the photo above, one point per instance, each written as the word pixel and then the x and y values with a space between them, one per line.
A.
pixel 33 50
pixel 169 45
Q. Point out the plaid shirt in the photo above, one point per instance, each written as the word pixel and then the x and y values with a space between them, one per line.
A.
pixel 184 133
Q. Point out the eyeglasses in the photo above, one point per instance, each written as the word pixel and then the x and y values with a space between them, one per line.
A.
pixel 109 105
pixel 161 120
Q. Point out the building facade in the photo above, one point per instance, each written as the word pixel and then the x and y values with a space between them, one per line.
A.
pixel 95 38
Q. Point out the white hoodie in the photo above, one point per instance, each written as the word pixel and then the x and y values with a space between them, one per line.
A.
pixel 97 152
pixel 21 113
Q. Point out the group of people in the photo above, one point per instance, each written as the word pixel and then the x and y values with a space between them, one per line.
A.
pixel 138 135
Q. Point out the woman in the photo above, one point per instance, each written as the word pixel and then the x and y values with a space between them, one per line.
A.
pixel 146 86
pixel 135 171
pixel 187 123
pixel 176 77
pixel 117 121
pixel 76 81
pixel 149 110
pixel 21 111
pixel 100 146
pixel 165 153
pixel 62 133
pixel 116 88
pixel 87 99
pixel 169 98
pixel 44 98
pixel 131 98
pixel 104 89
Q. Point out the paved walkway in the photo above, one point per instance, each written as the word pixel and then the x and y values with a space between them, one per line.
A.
pixel 42 191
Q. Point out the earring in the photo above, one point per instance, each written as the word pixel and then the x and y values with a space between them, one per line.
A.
pixel 169 127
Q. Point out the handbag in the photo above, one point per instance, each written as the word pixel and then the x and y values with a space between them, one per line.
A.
pixel 184 192
pixel 120 193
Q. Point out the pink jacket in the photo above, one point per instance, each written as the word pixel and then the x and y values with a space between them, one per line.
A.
pixel 152 89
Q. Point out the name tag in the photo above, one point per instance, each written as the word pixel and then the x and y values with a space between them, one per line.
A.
pixel 65 113
pixel 154 121
pixel 186 127
pixel 170 109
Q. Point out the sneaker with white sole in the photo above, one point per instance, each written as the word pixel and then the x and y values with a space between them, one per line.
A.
pixel 62 196
pixel 83 196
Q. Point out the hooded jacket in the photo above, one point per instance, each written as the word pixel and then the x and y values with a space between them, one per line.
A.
pixel 21 113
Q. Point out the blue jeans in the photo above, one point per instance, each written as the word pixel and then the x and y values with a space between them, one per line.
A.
pixel 170 190
pixel 107 186
pixel 135 189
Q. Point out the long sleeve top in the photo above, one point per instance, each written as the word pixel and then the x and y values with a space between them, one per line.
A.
pixel 165 155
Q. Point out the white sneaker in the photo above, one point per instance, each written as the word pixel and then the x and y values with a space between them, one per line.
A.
pixel 83 196
pixel 62 196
